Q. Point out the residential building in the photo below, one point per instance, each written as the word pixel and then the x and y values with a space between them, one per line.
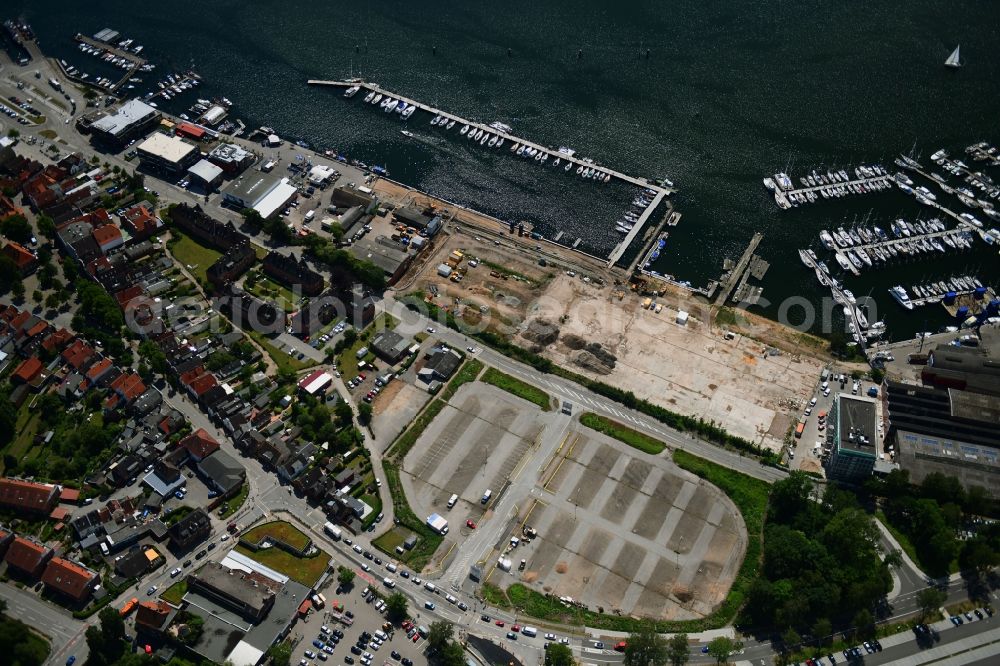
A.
pixel 24 259
pixel 28 496
pixel 190 530
pixel 108 237
pixel 199 445
pixel 73 581
pixel 853 433
pixel 236 261
pixel 28 557
pixel 294 273
pixel 193 221
pixel 153 616
pixel 222 473
pixel 140 222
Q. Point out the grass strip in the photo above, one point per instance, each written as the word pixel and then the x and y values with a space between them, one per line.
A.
pixel 622 433
pixel 467 374
pixel 517 387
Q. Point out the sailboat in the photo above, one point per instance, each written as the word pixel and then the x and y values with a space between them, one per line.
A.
pixel 953 60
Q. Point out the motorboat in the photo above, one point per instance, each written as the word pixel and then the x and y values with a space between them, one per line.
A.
pixel 899 293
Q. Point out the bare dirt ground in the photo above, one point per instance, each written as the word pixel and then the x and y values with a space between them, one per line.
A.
pixel 691 369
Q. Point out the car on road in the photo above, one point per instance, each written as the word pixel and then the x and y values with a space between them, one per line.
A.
pixel 225 537
pixel 71 660
pixel 484 618
pixel 367 555
pixel 200 554
pixel 187 563
pixel 471 525
pixel 175 572
pixel 704 649
pixel 310 654
pixel 462 605
pixel 599 645
pixel 365 566
pixel 152 589
pixel 499 623
pixel 356 548
pixel 430 329
pixel 471 350
pixel 511 635
pixel 550 637
pixel 429 605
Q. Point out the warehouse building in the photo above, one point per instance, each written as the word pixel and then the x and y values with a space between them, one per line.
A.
pixel 206 174
pixel 231 158
pixel 168 155
pixel 132 120
pixel 266 193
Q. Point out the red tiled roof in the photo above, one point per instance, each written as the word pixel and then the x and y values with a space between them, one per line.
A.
pixel 20 255
pixel 99 368
pixel 29 369
pixel 199 443
pixel 69 495
pixel 203 383
pixel 126 295
pixel 187 129
pixel 68 577
pixel 57 340
pixel 191 375
pixel 26 495
pixel 152 614
pixel 128 386
pixel 18 321
pixel 140 219
pixel 107 234
pixel 26 555
pixel 37 329
pixel 77 354
pixel 59 513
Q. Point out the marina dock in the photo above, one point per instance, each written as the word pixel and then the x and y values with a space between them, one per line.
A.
pixel 616 254
pixel 740 272
pixel 619 250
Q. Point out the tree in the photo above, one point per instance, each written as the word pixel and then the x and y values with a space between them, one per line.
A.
pixel 864 624
pixel 153 356
pixel 791 639
pixel 345 576
pixel 645 648
pixel 678 651
pixel 451 654
pixel 52 301
pixel 978 556
pixel 18 290
pixel 438 636
pixel 822 630
pixel 16 228
pixel 36 297
pixel 558 654
pixel 365 413
pixel 46 226
pixel 722 647
pixel 930 599
pixel 280 653
pixel 396 607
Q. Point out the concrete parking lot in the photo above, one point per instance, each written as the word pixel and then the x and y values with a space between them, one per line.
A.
pixel 474 444
pixel 628 532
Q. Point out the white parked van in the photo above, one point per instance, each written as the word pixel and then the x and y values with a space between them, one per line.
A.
pixel 452 501
pixel 529 631
pixel 391 568
pixel 310 215
pixel 388 582
pixel 430 587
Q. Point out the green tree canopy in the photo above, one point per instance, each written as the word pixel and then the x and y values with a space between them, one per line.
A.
pixel 678 650
pixel 645 647
pixel 558 654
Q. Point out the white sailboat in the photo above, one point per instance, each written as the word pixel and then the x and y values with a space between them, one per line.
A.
pixel 953 59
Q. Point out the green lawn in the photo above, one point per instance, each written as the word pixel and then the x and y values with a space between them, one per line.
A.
pixel 391 540
pixel 27 428
pixel 305 570
pixel 175 593
pixel 279 529
pixel 428 540
pixel 622 433
pixel 466 374
pixel 518 388
pixel 236 502
pixel 191 253
pixel 269 290
pixel 494 596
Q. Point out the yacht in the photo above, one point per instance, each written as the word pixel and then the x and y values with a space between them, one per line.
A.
pixel 493 141
pixel 450 124
pixel 842 260
pixel 899 293
pixel 514 148
pixel 499 142
pixel 377 99
pixel 408 111
pixel 464 130
pixel 369 97
pixel 352 91
pixel 850 296
pixel 400 106
pixel 406 133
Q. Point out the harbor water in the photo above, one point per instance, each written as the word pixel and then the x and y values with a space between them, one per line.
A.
pixel 714 95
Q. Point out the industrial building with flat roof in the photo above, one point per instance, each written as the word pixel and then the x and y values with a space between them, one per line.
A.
pixel 853 433
pixel 946 431
pixel 266 193
pixel 231 158
pixel 134 118
pixel 384 253
pixel 241 592
pixel 169 155
pixel 206 174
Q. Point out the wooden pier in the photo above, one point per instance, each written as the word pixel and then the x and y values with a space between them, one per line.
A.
pixel 619 250
pixel 739 272
pixel 784 197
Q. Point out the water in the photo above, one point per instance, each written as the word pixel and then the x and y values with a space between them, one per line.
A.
pixel 730 93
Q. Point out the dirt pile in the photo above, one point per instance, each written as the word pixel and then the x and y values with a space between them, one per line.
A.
pixel 541 331
pixel 589 361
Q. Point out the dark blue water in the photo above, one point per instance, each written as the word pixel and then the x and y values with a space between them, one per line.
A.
pixel 729 93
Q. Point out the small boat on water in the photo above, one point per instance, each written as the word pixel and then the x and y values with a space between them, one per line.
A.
pixel 408 111
pixel 369 97
pixel 406 133
pixel 499 142
pixel 352 91
pixel 450 125
pixel 377 99
pixel 954 60
pixel 555 162
pixel 569 165
pixel 464 130
pixel 514 148
pixel 486 137
pixel 435 120
pixel 493 141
